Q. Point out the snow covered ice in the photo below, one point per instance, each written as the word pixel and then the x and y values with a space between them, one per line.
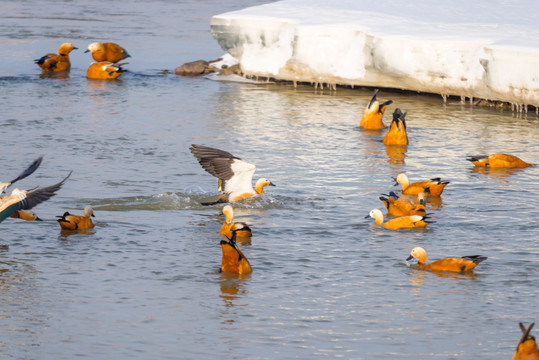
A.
pixel 475 49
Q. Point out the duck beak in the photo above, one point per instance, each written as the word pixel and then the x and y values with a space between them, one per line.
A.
pixel 409 258
pixel 38 219
pixel 271 184
pixel 87 51
pixel 368 216
pixel 395 180
pixel 75 48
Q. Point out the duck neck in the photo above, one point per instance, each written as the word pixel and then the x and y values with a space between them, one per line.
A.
pixel 259 188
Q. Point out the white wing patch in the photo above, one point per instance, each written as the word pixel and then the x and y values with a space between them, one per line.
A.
pixel 242 181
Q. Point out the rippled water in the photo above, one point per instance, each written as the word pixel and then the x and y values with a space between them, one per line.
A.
pixel 326 282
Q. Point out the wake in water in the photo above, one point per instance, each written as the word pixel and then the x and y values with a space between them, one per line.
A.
pixel 189 199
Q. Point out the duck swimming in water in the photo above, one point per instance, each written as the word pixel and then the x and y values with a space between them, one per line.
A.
pixel 235 175
pixel 404 206
pixel 432 187
pixel 241 228
pixel 77 222
pixel 372 117
pixel 57 62
pixel 401 222
pixel 104 70
pixel 27 215
pixel 450 264
pixel 233 259
pixel 110 52
pixel 527 347
pixel 498 161
pixel 396 135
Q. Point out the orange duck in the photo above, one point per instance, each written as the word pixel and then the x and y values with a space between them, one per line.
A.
pixel 396 135
pixel 452 264
pixel 527 347
pixel 401 222
pixel 57 62
pixel 27 215
pixel 372 117
pixel 104 71
pixel 498 161
pixel 77 222
pixel 432 187
pixel 233 259
pixel 404 206
pixel 241 228
pixel 107 52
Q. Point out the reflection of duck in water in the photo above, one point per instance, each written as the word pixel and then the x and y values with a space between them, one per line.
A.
pixel 450 264
pixel 235 175
pixel 372 117
pixel 241 228
pixel 526 348
pixel 401 222
pixel 77 222
pixel 498 161
pixel 233 259
pixel 433 187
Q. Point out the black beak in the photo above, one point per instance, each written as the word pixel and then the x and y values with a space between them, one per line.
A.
pixel 75 48
pixel 396 183
pixel 87 51
pixel 368 216
pixel 38 219
pixel 409 258
pixel 271 184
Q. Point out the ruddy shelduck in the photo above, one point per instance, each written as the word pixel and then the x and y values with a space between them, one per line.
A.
pixel 57 62
pixel 372 117
pixel 27 215
pixel 241 228
pixel 404 206
pixel 527 347
pixel 235 175
pixel 27 199
pixel 401 222
pixel 233 259
pixel 498 161
pixel 104 70
pixel 450 264
pixel 77 222
pixel 110 52
pixel 432 187
pixel 396 134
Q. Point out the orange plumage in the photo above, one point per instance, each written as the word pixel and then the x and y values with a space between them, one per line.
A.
pixel 401 222
pixel 372 117
pixel 233 259
pixel 57 62
pixel 107 52
pixel 241 228
pixel 450 264
pixel 396 135
pixel 432 187
pixel 498 161
pixel 527 347
pixel 77 222
pixel 104 71
pixel 404 206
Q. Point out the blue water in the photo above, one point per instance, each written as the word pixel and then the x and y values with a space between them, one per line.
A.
pixel 326 282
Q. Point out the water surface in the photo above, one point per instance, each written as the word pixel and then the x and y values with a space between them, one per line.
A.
pixel 327 283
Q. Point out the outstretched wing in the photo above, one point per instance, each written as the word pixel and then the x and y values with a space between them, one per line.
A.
pixel 29 171
pixel 24 200
pixel 235 174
